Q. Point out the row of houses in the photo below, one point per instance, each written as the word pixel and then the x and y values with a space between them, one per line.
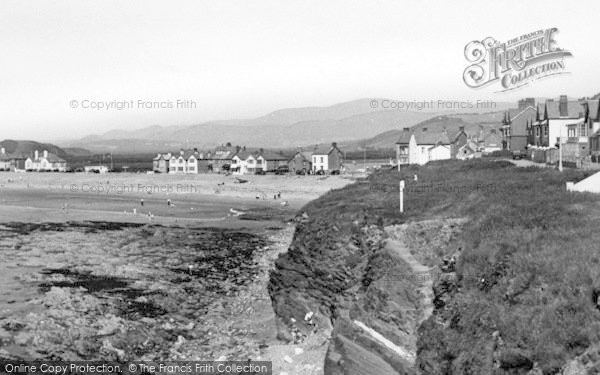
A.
pixel 44 161
pixel 240 161
pixel 422 146
pixel 573 125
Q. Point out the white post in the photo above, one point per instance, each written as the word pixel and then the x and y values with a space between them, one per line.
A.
pixel 401 196
pixel 560 147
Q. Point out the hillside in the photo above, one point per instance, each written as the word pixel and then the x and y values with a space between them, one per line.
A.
pixel 28 147
pixel 471 122
pixel 285 128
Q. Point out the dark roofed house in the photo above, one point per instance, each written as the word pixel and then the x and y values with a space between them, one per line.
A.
pixel 301 162
pixel 553 118
pixel 515 131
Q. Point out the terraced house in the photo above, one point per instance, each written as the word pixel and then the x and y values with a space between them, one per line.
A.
pixel 552 119
pixel 184 163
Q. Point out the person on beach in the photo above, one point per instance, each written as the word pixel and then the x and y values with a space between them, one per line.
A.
pixel 279 195
pixel 142 202
pixel 169 202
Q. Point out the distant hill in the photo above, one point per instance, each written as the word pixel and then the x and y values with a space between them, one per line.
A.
pixel 471 122
pixel 287 128
pixel 28 148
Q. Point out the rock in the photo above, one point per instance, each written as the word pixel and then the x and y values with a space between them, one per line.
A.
pixel 288 359
pixel 298 351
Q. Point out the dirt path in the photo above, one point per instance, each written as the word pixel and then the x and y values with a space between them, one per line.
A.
pixel 421 274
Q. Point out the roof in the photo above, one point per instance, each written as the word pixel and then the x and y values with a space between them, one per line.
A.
pixel 425 138
pixel 272 156
pixel 574 108
pixel 52 158
pixel 519 121
pixel 242 154
pixel 593 109
pixel 324 150
pixel 304 154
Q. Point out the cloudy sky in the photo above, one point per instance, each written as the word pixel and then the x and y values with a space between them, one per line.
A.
pixel 240 59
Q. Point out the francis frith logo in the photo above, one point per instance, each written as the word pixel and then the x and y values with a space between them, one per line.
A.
pixel 515 63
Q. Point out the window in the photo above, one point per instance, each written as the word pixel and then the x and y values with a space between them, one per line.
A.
pixel 545 130
pixel 582 130
pixel 259 162
pixel 571 131
pixel 191 169
pixel 537 131
pixel 321 159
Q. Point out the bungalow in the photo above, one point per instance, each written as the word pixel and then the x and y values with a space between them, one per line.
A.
pixel 300 163
pixel 160 163
pixel 46 162
pixel 422 147
pixel 327 159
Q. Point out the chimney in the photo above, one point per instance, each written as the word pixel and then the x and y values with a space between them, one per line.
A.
pixel 424 130
pixel 45 153
pixel 562 106
pixel 261 150
pixel 334 144
pixel 2 151
pixel 461 128
pixel 195 150
pixel 407 129
pixel 35 155
pixel 180 151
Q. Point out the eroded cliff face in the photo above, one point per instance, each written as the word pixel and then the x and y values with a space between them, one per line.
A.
pixel 369 290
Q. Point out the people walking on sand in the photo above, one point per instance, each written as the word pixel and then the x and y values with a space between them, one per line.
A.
pixel 142 202
pixel 169 202
pixel 279 195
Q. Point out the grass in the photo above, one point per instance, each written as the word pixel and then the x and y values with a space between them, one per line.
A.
pixel 528 269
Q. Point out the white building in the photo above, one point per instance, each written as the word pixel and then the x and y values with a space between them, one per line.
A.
pixel 186 162
pixel 422 147
pixel 95 169
pixel 46 162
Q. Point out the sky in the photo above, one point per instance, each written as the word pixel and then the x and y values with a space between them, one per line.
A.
pixel 241 59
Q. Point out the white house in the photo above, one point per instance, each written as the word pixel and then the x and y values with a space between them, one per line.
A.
pixel 422 147
pixel 46 162
pixel 327 159
pixel 186 162
pixel 242 163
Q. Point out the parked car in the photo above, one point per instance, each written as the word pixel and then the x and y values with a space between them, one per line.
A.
pixel 260 172
pixel 282 169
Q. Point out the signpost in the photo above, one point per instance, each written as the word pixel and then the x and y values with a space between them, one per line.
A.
pixel 401 196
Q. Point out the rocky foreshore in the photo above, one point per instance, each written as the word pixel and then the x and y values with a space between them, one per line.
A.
pixel 144 292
